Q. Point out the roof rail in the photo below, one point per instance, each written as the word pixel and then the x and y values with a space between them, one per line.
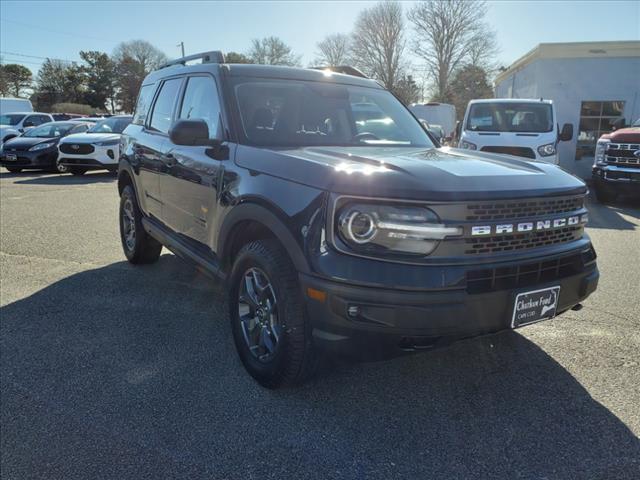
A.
pixel 215 56
pixel 346 69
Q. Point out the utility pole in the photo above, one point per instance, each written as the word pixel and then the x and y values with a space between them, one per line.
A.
pixel 181 45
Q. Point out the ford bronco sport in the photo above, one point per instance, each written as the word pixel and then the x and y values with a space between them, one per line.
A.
pixel 356 236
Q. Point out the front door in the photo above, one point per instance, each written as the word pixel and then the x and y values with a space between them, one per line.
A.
pixel 190 185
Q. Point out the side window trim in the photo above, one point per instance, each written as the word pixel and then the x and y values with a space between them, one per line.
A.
pixel 147 123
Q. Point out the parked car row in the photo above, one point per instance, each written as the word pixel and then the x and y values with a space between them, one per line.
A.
pixel 72 146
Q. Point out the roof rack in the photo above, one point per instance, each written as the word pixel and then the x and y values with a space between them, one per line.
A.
pixel 215 56
pixel 345 69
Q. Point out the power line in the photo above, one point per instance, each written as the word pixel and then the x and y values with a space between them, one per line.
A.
pixel 59 32
pixel 16 54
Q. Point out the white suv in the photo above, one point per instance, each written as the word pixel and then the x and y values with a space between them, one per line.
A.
pixel 15 123
pixel 97 149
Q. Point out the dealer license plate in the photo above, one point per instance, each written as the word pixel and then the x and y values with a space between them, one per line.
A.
pixel 10 157
pixel 534 306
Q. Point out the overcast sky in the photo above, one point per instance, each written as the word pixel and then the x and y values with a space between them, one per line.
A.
pixel 30 31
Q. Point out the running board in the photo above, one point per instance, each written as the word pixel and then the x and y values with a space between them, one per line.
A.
pixel 182 248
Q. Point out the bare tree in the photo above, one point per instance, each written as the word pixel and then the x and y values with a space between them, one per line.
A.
pixel 378 44
pixel 333 50
pixel 142 52
pixel 450 34
pixel 272 51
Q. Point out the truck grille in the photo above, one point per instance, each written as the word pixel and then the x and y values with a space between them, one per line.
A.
pixel 516 151
pixel 523 209
pixel 522 241
pixel 528 274
pixel 76 148
pixel 623 154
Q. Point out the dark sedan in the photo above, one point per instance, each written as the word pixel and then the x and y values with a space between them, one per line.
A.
pixel 38 148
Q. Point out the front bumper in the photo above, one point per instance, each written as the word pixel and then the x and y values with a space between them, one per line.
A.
pixel 617 179
pixel 374 323
pixel 25 159
pixel 100 158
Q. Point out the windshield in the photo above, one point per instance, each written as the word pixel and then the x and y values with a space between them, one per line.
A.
pixel 11 119
pixel 293 113
pixel 111 125
pixel 636 123
pixel 49 130
pixel 510 117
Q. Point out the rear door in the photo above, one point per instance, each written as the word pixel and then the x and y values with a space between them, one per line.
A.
pixel 190 184
pixel 148 145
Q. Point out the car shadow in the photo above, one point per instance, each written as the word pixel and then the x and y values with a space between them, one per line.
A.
pixel 130 372
pixel 65 179
pixel 611 215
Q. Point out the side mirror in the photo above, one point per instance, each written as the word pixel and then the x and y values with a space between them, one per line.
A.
pixel 191 133
pixel 567 132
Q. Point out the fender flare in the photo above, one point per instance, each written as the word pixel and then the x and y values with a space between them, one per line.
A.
pixel 262 215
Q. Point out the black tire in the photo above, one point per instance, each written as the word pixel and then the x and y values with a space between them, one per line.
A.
pixel 14 169
pixel 142 248
pixel 605 196
pixel 77 170
pixel 60 168
pixel 293 360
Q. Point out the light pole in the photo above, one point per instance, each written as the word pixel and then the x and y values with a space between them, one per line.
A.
pixel 181 45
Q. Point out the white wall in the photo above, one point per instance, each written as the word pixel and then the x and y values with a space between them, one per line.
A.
pixel 568 82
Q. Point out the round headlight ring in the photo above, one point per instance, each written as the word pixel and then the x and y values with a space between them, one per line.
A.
pixel 361 227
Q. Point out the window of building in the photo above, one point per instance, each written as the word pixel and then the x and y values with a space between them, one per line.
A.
pixel 596 119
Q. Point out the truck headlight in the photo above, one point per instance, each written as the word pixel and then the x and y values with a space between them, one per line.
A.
pixel 386 230
pixel 547 150
pixel 107 143
pixel 468 145
pixel 601 148
pixel 41 146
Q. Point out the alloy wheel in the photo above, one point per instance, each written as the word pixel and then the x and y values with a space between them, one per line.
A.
pixel 258 314
pixel 129 224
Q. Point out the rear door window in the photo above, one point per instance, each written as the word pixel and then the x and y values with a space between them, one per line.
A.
pixel 162 115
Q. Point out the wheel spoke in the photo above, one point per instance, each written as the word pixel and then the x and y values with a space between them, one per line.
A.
pixel 266 340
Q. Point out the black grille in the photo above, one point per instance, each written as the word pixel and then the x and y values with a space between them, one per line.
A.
pixel 517 151
pixel 522 241
pixel 523 209
pixel 623 154
pixel 528 274
pixel 76 148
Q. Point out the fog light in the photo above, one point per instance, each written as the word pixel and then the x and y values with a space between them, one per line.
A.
pixel 111 154
pixel 353 311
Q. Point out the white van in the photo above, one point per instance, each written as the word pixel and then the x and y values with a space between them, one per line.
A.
pixel 442 114
pixel 11 105
pixel 513 126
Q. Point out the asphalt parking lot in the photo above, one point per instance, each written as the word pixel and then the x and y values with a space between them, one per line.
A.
pixel 114 371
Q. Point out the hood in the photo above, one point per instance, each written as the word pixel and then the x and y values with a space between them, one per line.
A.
pixel 410 173
pixel 5 128
pixel 630 134
pixel 90 137
pixel 25 143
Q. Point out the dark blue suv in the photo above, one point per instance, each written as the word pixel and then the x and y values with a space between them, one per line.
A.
pixel 336 232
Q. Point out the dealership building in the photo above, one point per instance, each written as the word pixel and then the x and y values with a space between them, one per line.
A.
pixel 592 84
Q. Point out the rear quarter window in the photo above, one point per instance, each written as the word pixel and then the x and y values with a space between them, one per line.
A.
pixel 144 102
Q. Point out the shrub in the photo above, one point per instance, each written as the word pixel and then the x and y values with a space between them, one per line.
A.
pixel 72 108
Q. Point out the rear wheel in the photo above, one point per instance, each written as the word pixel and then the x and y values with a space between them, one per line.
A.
pixel 605 196
pixel 270 327
pixel 139 247
pixel 77 170
pixel 14 169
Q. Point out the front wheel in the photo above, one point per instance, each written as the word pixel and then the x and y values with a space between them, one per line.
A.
pixel 139 247
pixel 14 169
pixel 270 327
pixel 60 168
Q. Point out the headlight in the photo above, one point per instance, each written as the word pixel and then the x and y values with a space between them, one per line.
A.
pixel 41 146
pixel 601 148
pixel 468 145
pixel 547 150
pixel 387 230
pixel 107 143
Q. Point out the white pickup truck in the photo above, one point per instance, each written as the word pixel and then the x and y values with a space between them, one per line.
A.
pixel 520 127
